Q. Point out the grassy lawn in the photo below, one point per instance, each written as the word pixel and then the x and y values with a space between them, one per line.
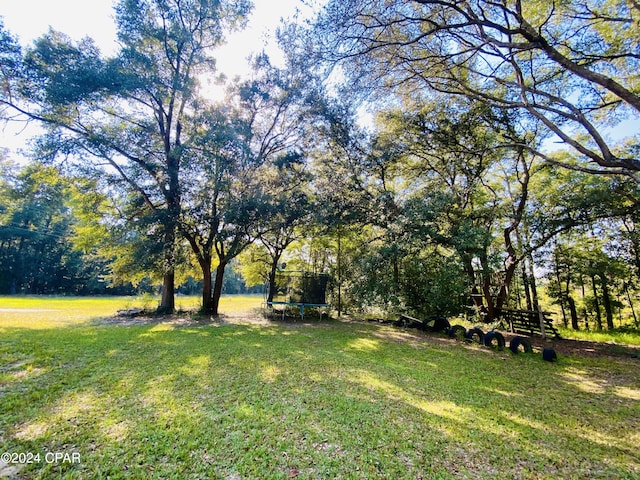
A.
pixel 605 336
pixel 331 400
pixel 57 311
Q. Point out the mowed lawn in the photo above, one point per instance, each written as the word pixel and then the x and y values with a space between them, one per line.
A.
pixel 81 399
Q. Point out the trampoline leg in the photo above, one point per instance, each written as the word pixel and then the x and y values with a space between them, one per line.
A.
pixel 302 313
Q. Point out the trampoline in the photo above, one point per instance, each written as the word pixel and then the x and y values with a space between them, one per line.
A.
pixel 299 289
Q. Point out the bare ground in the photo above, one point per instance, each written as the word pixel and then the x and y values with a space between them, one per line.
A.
pixel 566 346
pixel 562 346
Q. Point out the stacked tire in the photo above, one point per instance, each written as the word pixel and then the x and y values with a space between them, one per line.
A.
pixel 494 339
pixel 457 331
pixel 475 335
pixel 438 324
pixel 518 344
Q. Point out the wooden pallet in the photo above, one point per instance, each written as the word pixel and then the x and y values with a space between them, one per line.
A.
pixel 527 322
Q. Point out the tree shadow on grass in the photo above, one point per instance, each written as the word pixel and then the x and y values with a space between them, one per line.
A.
pixel 337 401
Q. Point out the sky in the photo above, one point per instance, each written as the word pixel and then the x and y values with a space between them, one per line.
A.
pixel 28 19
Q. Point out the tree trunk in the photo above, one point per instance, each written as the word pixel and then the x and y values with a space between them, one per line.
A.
pixel 534 294
pixel 574 313
pixel 505 288
pixel 584 304
pixel 562 295
pixel 167 300
pixel 490 302
pixel 339 276
pixel 525 275
pixel 396 271
pixel 606 301
pixel 633 310
pixel 217 287
pixel 272 277
pixel 571 302
pixel 476 297
pixel 526 286
pixel 207 290
pixel 511 264
pixel 596 302
pixel 486 292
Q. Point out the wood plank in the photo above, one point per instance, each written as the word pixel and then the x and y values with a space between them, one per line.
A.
pixel 528 321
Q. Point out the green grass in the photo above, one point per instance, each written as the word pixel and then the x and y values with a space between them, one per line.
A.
pixel 57 311
pixel 629 337
pixel 330 400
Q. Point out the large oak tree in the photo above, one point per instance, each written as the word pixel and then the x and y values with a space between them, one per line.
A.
pixel 130 116
pixel 572 66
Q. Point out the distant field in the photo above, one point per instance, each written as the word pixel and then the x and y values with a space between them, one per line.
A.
pixel 51 311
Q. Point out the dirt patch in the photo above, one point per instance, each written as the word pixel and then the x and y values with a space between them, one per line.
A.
pixel 9 470
pixel 184 319
pixel 562 346
pixel 583 348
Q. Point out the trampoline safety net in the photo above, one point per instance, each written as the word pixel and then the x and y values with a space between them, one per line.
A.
pixel 300 287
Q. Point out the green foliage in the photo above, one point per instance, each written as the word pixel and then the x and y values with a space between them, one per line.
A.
pixel 61 74
pixel 446 190
pixel 254 264
pixel 569 70
pixel 135 121
pixel 591 285
pixel 594 250
pixel 235 284
pixel 434 283
pixel 11 61
pixel 37 254
pixel 427 283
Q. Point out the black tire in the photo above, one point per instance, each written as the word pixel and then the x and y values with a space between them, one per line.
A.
pixel 437 324
pixel 457 331
pixel 549 354
pixel 475 334
pixel 494 339
pixel 517 342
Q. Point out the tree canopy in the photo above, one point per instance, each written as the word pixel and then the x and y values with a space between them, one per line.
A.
pixel 570 67
pixel 493 162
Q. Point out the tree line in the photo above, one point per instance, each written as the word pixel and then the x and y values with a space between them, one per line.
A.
pixel 46 247
pixel 489 167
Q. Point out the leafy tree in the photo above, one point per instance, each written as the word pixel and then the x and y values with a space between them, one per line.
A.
pixel 354 199
pixel 35 223
pixel 37 232
pixel 606 274
pixel 237 187
pixel 588 222
pixel 10 64
pixel 130 116
pixel 570 67
pixel 468 191
pixel 120 232
pixel 287 210
pixel 285 219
